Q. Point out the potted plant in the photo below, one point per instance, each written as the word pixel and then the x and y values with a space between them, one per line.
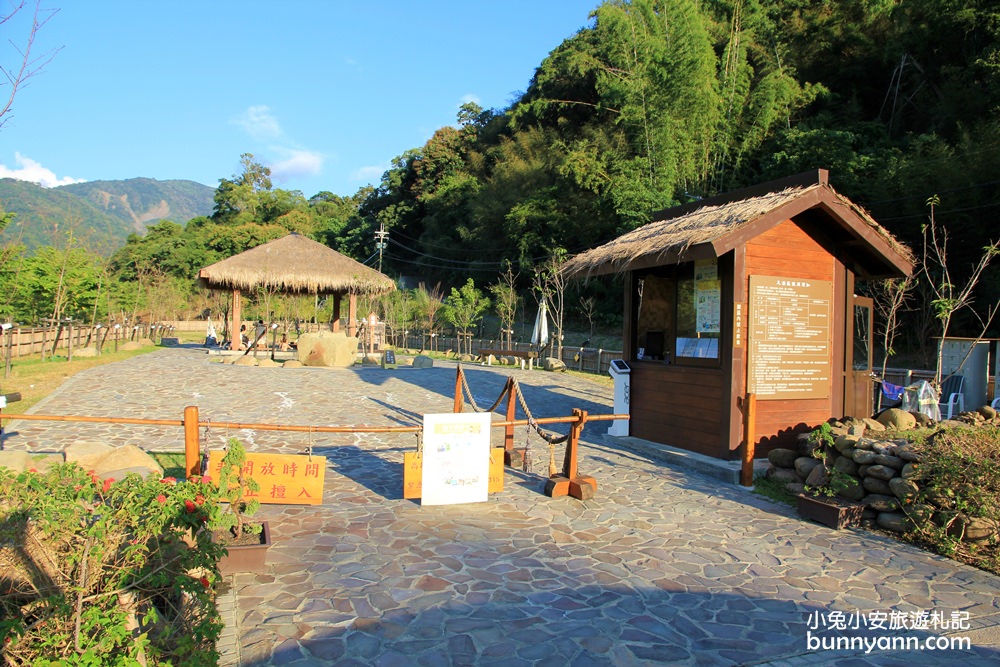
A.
pixel 821 503
pixel 246 542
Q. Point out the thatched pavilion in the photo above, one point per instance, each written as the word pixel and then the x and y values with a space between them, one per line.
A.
pixel 294 264
pixel 749 292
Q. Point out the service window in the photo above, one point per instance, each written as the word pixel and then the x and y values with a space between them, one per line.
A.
pixel 678 318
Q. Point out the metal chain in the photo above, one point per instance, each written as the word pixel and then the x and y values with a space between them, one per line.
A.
pixel 204 449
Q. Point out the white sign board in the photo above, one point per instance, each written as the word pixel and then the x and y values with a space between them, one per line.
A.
pixel 456 458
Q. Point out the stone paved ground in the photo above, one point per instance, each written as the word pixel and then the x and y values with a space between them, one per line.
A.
pixel 662 567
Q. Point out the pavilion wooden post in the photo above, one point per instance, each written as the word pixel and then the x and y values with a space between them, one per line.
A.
pixel 235 338
pixel 569 481
pixel 336 312
pixel 352 314
pixel 749 426
pixel 192 457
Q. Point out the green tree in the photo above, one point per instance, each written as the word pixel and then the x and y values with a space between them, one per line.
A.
pixel 464 308
pixel 506 301
pixel 246 194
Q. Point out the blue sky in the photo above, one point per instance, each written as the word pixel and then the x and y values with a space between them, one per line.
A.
pixel 325 93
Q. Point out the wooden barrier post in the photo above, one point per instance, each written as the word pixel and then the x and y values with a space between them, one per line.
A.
pixel 511 456
pixel 569 482
pixel 192 450
pixel 749 426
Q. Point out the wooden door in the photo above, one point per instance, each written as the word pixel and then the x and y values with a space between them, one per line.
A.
pixel 858 384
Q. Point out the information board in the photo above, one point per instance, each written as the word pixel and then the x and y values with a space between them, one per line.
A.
pixel 284 479
pixel 789 338
pixel 456 458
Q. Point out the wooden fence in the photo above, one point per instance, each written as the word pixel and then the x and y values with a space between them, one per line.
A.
pixel 63 339
pixel 19 341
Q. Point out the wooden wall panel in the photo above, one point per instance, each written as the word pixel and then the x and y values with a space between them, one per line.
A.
pixel 788 251
pixel 678 406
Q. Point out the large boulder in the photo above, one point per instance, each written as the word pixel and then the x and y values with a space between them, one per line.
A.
pixel 128 458
pixel 818 477
pixel 783 458
pixel 328 348
pixel 87 454
pixel 15 460
pixel 553 364
pixel 423 361
pixel 897 419
pixel 805 464
pixel 245 360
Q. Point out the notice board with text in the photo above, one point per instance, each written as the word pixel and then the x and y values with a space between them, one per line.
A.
pixel 790 334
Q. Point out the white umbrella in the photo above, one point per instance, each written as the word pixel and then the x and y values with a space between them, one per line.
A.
pixel 540 334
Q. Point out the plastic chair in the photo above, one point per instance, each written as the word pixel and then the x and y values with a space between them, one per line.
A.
pixel 952 396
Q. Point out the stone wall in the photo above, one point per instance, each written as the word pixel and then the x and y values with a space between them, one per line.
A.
pixel 871 462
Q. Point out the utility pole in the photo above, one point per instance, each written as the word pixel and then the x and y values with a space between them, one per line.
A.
pixel 380 242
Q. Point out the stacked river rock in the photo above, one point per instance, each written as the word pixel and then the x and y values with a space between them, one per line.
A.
pixel 870 463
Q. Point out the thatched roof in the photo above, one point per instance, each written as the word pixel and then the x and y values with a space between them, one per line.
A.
pixel 295 264
pixel 713 227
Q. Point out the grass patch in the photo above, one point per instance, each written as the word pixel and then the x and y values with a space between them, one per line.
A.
pixel 171 462
pixel 773 489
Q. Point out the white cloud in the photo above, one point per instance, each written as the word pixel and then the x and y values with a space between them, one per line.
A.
pixel 29 170
pixel 299 163
pixel 369 174
pixel 259 123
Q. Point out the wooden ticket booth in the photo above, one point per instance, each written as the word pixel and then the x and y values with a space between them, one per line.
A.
pixel 750 291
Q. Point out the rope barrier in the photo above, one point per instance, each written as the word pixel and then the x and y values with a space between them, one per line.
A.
pixel 515 386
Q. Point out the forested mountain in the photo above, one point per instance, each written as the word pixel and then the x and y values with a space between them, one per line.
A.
pixel 143 201
pixel 101 214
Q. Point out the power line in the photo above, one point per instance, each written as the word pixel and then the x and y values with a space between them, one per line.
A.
pixel 940 212
pixel 924 197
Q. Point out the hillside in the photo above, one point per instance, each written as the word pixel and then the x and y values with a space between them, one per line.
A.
pixel 101 214
pixel 143 201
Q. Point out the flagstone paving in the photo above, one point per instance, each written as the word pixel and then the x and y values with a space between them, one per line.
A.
pixel 663 566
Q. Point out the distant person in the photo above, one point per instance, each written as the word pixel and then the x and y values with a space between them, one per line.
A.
pixel 244 339
pixel 260 340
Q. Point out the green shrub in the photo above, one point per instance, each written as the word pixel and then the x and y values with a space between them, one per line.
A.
pixel 233 483
pixel 97 572
pixel 959 482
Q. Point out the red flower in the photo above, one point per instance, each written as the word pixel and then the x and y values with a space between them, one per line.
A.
pixel 32 470
pixel 169 480
pixel 199 499
pixel 161 499
pixel 107 484
pixel 190 506
pixel 205 582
